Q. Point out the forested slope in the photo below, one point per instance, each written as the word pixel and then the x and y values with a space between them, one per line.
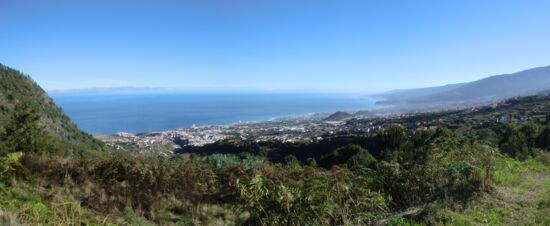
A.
pixel 17 89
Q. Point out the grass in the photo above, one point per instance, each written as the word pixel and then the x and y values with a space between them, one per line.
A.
pixel 23 203
pixel 521 197
pixel 171 191
pixel 510 172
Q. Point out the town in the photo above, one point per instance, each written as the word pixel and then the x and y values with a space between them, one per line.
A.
pixel 313 128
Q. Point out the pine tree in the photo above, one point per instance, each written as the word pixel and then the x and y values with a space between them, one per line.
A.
pixel 23 132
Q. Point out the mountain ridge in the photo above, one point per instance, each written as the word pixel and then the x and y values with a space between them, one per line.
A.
pixel 492 88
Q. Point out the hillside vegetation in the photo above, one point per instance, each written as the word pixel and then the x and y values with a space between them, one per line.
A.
pixel 490 174
pixel 20 91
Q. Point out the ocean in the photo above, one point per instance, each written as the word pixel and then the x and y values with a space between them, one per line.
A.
pixel 136 113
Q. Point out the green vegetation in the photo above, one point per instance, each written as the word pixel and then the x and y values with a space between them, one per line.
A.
pixel 426 177
pixel 22 99
pixel 228 160
pixel 521 197
pixel 455 174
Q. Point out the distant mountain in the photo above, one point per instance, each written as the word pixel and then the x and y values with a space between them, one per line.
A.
pixel 16 87
pixel 112 90
pixel 528 82
pixel 418 92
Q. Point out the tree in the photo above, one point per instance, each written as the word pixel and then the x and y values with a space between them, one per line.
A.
pixel 446 139
pixel 514 142
pixel 488 136
pixel 23 132
pixel 351 154
pixel 543 141
pixel 392 138
pixel 531 131
pixel 362 159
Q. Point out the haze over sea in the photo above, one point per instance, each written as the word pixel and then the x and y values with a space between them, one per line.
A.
pixel 136 113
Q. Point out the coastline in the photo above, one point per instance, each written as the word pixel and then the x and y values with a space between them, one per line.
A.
pixel 306 128
pixel 147 113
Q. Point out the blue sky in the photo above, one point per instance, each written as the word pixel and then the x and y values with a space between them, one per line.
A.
pixel 271 45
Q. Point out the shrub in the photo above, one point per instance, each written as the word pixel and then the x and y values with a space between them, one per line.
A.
pixel 327 198
pixel 352 155
pixel 460 181
pixel 311 162
pixel 9 164
pixel 291 161
pixel 229 160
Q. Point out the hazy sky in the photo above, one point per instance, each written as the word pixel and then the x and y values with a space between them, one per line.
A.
pixel 299 45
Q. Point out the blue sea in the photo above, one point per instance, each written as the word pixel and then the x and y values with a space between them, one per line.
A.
pixel 136 113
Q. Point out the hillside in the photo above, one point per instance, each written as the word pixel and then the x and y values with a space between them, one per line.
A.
pixel 16 87
pixel 489 89
pixel 338 116
pixel 417 92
